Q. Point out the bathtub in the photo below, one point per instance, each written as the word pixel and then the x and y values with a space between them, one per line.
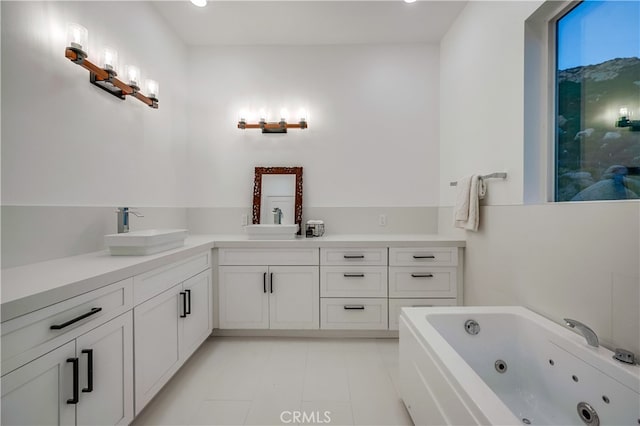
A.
pixel 520 368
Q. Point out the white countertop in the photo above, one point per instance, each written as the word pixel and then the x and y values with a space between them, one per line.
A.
pixel 34 286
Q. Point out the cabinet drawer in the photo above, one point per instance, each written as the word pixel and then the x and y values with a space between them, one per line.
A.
pixel 29 336
pixel 353 314
pixel 353 281
pixel 396 304
pixel 436 256
pixel 353 256
pixel 421 281
pixel 154 282
pixel 248 256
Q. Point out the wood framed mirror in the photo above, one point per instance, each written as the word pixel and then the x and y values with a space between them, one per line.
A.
pixel 278 187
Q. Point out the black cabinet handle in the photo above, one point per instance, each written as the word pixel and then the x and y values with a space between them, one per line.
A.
pixel 74 400
pixel 93 311
pixel 271 282
pixel 424 256
pixel 89 353
pixel 422 275
pixel 184 304
pixel 354 275
pixel 264 282
pixel 188 308
pixel 354 307
pixel 354 256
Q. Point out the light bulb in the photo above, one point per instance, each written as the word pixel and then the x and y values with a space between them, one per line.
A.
pixel 243 115
pixel 77 35
pixel 302 115
pixel 109 60
pixel 153 88
pixel 624 112
pixel 263 115
pixel 199 3
pixel 133 75
pixel 284 114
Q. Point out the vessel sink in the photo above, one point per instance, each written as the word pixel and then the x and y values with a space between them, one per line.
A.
pixel 272 232
pixel 149 241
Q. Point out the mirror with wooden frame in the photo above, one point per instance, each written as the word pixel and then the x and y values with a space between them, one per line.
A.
pixel 279 187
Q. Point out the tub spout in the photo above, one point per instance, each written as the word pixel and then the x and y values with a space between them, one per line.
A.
pixel 588 333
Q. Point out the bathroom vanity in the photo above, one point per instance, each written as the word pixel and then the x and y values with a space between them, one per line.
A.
pixel 99 335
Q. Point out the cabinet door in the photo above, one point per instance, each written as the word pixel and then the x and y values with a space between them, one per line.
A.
pixel 294 297
pixel 106 373
pixel 244 301
pixel 157 343
pixel 37 393
pixel 196 325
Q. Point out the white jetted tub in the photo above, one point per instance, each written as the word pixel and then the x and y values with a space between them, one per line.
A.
pixel 520 368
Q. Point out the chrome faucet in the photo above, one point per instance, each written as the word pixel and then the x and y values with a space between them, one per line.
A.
pixel 277 216
pixel 123 218
pixel 587 332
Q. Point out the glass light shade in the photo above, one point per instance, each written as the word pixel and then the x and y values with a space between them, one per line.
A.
pixel 302 115
pixel 624 112
pixel 109 59
pixel 133 75
pixel 244 115
pixel 284 114
pixel 263 115
pixel 77 36
pixel 153 88
pixel 199 3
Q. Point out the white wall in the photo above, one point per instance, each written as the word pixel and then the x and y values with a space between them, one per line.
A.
pixel 576 260
pixel 68 147
pixel 65 141
pixel 373 123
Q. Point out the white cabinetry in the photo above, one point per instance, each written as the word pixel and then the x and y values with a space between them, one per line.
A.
pixel 74 359
pixel 353 288
pixel 268 289
pixel 423 276
pixel 168 329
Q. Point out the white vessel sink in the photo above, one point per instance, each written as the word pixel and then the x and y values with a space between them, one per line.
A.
pixel 149 241
pixel 272 232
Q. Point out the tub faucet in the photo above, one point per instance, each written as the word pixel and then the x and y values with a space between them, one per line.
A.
pixel 277 216
pixel 123 218
pixel 587 332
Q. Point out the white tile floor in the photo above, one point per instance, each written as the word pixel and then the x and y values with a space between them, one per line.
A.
pixel 252 381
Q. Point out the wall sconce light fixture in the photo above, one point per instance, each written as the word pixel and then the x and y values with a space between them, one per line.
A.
pixel 104 75
pixel 276 126
pixel 624 121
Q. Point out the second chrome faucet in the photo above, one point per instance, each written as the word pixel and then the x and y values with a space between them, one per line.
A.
pixel 586 331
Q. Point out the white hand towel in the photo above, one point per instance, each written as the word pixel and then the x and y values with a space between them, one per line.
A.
pixel 467 211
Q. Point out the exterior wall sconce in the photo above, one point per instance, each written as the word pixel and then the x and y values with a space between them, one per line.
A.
pixel 276 126
pixel 624 121
pixel 104 75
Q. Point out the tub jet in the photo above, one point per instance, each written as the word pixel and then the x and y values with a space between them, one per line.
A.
pixel 472 327
pixel 501 366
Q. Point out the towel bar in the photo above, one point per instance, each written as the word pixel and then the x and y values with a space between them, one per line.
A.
pixel 497 175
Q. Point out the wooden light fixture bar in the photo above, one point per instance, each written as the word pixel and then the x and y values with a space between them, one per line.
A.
pixel 273 127
pixel 107 80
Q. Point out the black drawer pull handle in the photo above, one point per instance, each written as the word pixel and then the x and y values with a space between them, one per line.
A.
pixel 271 282
pixel 184 304
pixel 354 307
pixel 74 400
pixel 354 256
pixel 422 275
pixel 354 275
pixel 93 311
pixel 425 256
pixel 89 353
pixel 264 282
pixel 188 311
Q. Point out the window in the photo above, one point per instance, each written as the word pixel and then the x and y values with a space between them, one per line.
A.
pixel 597 155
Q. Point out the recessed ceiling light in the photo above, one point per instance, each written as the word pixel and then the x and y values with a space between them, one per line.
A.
pixel 409 1
pixel 202 3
